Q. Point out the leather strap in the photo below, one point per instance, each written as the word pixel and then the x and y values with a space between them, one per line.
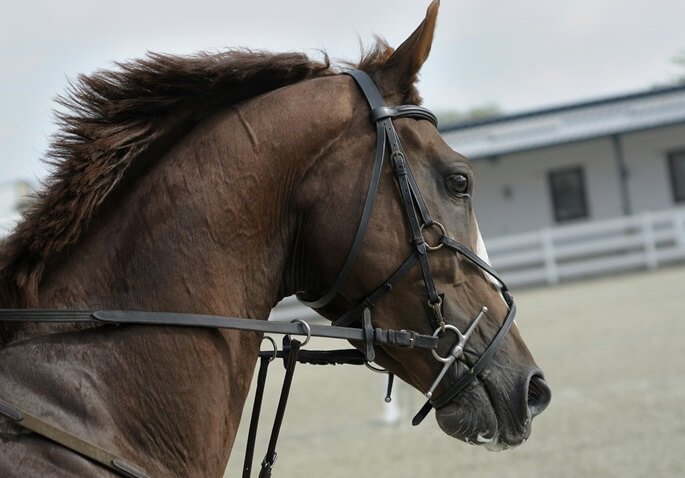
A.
pixel 466 252
pixel 351 258
pixel 271 455
pixel 405 338
pixel 403 111
pixel 373 97
pixel 370 300
pixel 70 441
pixel 327 357
pixel 381 116
pixel 408 199
pixel 256 410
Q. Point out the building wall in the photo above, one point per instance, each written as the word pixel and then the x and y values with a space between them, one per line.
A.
pixel 645 154
pixel 512 191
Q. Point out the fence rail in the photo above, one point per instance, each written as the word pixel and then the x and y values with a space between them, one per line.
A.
pixel 647 240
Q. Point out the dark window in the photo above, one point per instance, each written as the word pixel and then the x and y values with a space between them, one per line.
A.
pixel 568 194
pixel 676 166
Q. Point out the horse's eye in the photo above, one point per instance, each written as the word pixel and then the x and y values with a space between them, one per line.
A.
pixel 458 184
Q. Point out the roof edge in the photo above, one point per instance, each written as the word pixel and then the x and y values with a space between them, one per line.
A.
pixel 563 108
pixel 594 137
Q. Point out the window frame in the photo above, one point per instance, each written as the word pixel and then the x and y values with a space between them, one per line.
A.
pixel 677 184
pixel 557 208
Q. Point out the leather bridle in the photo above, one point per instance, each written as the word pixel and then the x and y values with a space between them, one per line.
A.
pixel 419 219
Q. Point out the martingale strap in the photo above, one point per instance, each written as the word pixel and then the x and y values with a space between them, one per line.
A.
pixel 271 455
pixel 264 362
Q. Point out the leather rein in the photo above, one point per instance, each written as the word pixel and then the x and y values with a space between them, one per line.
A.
pixel 419 220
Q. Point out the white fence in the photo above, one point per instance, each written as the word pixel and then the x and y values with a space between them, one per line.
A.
pixel 563 253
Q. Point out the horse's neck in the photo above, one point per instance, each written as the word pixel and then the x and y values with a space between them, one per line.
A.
pixel 207 229
pixel 191 235
pixel 212 227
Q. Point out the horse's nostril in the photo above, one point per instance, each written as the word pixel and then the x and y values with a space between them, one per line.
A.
pixel 539 395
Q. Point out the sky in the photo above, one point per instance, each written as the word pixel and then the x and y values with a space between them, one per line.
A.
pixel 518 55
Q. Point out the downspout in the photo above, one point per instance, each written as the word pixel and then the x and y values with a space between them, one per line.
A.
pixel 623 174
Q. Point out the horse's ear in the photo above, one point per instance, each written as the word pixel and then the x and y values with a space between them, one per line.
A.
pixel 400 70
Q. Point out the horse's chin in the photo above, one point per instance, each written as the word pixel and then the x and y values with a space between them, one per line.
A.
pixel 473 419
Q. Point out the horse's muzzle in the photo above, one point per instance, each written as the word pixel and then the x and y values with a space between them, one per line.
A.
pixel 486 414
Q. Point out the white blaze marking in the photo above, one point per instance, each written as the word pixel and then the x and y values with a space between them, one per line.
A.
pixel 482 252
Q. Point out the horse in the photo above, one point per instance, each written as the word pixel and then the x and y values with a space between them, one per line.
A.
pixel 219 184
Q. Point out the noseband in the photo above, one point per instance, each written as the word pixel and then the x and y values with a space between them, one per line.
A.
pixel 419 219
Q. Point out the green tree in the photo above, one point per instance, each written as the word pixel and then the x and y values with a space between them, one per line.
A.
pixel 481 112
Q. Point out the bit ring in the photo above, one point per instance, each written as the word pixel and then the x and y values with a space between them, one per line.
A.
pixel 449 357
pixel 441 229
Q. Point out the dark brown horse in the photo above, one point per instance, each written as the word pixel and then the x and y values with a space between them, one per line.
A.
pixel 220 184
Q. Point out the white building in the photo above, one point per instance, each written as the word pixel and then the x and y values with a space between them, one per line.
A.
pixel 582 162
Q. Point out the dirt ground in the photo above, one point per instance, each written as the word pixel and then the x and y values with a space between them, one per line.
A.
pixel 613 351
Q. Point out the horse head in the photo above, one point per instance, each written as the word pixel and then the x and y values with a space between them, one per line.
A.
pixel 416 257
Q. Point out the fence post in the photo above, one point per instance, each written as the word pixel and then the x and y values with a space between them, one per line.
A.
pixel 649 241
pixel 551 271
pixel 678 219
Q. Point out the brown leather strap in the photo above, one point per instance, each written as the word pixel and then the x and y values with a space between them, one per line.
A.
pixel 70 441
